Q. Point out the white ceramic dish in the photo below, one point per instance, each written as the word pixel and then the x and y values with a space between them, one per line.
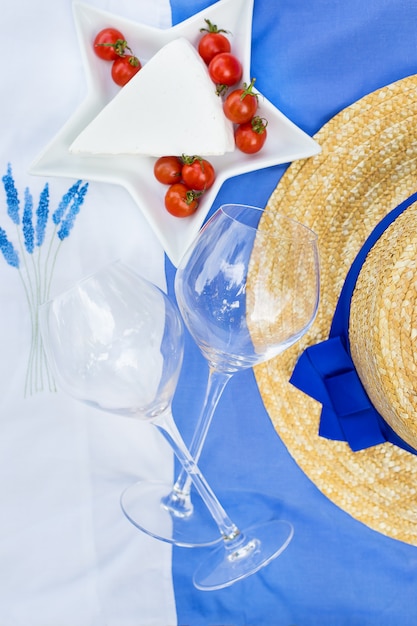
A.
pixel 285 143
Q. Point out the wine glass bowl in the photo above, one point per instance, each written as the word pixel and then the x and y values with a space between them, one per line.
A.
pixel 110 354
pixel 246 294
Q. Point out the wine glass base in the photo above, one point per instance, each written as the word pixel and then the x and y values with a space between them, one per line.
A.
pixel 142 505
pixel 225 566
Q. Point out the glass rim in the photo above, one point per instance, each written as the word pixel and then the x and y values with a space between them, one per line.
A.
pixel 310 234
pixel 80 280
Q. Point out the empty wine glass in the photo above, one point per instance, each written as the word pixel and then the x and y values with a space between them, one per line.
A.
pixel 246 294
pixel 115 342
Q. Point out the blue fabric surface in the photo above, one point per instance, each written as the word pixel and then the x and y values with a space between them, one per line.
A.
pixel 311 59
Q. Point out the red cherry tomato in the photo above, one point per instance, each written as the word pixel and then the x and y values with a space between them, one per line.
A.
pixel 167 170
pixel 180 200
pixel 225 69
pixel 109 44
pixel 124 68
pixel 241 104
pixel 198 173
pixel 212 44
pixel 251 136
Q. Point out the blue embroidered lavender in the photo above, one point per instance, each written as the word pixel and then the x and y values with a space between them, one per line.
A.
pixel 33 252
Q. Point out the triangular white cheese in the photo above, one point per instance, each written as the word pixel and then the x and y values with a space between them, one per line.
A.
pixel 168 107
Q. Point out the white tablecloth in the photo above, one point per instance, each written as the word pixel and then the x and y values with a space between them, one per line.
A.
pixel 68 556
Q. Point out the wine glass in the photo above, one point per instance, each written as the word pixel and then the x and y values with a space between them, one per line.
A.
pixel 246 293
pixel 115 342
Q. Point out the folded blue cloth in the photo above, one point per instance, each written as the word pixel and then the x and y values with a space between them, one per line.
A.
pixel 311 60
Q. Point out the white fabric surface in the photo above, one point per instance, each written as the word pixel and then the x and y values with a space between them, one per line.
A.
pixel 68 556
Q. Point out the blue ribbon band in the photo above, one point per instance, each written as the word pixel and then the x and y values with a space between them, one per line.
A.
pixel 326 372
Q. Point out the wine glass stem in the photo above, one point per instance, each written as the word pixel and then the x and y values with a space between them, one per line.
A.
pixel 216 383
pixel 166 426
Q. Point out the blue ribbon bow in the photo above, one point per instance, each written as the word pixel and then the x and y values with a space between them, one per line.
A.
pixel 326 372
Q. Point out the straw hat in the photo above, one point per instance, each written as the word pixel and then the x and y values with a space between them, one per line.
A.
pixel 367 168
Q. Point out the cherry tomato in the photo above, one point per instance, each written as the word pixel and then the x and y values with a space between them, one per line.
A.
pixel 225 69
pixel 198 173
pixel 109 44
pixel 241 104
pixel 124 68
pixel 213 42
pixel 167 169
pixel 180 200
pixel 251 136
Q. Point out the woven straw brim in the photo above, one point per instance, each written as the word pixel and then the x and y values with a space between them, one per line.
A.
pixel 368 166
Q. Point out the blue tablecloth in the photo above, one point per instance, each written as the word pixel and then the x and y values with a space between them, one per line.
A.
pixel 311 59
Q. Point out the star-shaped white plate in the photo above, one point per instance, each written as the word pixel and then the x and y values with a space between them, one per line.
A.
pixel 285 142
